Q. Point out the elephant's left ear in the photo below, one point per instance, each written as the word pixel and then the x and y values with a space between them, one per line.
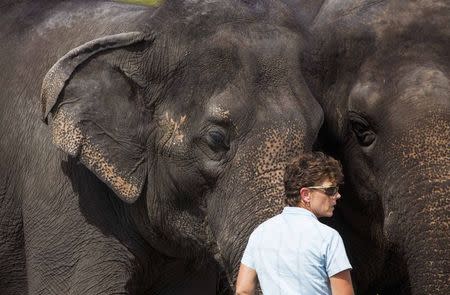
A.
pixel 60 72
pixel 96 111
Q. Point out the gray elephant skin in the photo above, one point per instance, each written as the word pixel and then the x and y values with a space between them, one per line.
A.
pixel 381 72
pixel 137 144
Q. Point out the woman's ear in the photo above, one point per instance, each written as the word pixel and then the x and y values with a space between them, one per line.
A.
pixel 97 115
pixel 305 195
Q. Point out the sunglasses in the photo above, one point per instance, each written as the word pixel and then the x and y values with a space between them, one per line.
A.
pixel 330 191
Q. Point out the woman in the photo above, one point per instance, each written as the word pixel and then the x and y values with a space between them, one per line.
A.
pixel 293 253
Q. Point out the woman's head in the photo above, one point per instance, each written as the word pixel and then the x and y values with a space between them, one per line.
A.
pixel 311 181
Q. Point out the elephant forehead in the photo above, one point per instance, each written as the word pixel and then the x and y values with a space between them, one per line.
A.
pixel 226 106
pixel 364 96
pixel 423 82
pixel 253 45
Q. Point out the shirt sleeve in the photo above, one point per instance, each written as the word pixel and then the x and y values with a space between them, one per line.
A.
pixel 249 254
pixel 336 258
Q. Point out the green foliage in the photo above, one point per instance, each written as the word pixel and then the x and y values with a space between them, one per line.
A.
pixel 143 2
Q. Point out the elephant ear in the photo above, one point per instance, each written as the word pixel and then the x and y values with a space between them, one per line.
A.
pixel 96 113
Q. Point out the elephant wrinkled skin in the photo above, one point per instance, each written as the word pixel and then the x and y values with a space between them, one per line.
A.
pixel 167 135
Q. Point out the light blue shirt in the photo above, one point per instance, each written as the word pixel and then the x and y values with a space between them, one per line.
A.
pixel 294 253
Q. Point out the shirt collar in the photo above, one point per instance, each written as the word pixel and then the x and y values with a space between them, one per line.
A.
pixel 298 210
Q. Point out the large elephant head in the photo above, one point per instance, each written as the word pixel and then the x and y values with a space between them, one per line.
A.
pixel 190 120
pixel 381 71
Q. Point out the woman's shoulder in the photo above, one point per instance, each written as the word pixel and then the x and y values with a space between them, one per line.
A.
pixel 327 232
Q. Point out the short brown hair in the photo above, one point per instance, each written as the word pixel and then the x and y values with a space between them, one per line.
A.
pixel 309 169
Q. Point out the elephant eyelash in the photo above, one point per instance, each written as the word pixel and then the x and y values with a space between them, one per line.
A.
pixel 217 137
pixel 218 140
pixel 363 130
pixel 364 119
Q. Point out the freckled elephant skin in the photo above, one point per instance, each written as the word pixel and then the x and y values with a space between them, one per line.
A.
pixel 140 146
pixel 381 71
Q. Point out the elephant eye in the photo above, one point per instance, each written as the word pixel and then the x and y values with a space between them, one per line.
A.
pixel 362 130
pixel 217 140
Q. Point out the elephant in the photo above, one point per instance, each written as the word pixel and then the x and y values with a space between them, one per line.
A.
pixel 380 70
pixel 140 146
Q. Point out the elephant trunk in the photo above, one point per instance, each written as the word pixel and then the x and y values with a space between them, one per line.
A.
pixel 254 192
pixel 232 236
pixel 421 232
pixel 415 192
pixel 427 247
